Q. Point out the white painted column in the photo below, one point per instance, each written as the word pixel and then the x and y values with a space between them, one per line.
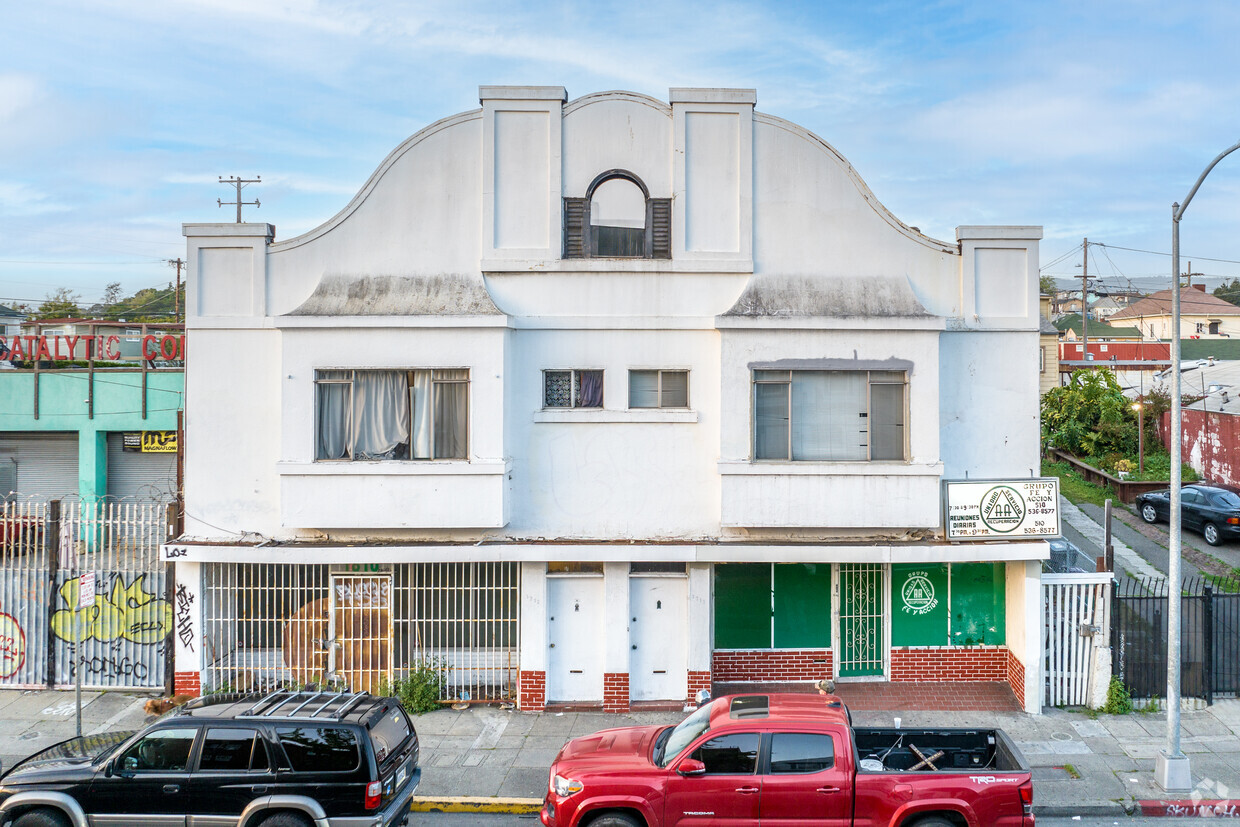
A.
pixel 1024 625
pixel 533 631
pixel 701 634
pixel 616 617
pixel 187 620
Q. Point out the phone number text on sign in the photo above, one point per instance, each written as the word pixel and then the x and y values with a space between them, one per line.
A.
pixel 1002 509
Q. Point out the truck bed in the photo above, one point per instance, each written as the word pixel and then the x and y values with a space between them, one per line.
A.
pixel 963 750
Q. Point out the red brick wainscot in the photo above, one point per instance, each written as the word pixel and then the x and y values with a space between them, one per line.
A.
pixel 952 663
pixel 532 691
pixel 697 682
pixel 767 666
pixel 187 683
pixel 615 691
pixel 1016 677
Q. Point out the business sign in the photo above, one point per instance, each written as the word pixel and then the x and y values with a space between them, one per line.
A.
pixel 1002 509
pixel 150 442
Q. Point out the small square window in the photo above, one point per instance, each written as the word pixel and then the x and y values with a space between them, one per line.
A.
pixel 572 389
pixel 658 389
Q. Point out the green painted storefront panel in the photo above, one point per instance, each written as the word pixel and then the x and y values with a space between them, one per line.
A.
pixel 802 605
pixel 919 608
pixel 979 597
pixel 743 606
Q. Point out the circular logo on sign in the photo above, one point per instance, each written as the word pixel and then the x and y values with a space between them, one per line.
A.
pixel 918 594
pixel 1003 509
pixel 12 646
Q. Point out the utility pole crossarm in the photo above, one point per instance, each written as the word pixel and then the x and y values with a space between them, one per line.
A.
pixel 239 183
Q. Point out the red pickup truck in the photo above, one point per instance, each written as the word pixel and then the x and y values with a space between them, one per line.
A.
pixel 785 760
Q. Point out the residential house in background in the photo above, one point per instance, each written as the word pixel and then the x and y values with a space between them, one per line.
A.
pixel 605 401
pixel 1202 315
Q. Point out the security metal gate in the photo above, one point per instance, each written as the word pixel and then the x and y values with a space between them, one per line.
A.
pixel 361 630
pixel 272 625
pixel 1076 611
pixel 123 633
pixel 861 600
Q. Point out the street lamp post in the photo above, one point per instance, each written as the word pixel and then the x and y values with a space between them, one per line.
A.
pixel 1171 769
pixel 1139 407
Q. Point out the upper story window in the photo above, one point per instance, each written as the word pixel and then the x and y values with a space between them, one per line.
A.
pixel 572 389
pixel 391 414
pixel 823 415
pixel 658 389
pixel 617 219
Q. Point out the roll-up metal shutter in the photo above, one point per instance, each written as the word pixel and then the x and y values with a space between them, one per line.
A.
pixel 145 476
pixel 47 464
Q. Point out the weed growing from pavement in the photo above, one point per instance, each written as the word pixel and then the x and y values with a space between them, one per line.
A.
pixel 1118 702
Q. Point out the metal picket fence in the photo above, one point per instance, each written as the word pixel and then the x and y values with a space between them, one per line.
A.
pixel 1076 614
pixel 123 633
pixel 271 625
pixel 1209 640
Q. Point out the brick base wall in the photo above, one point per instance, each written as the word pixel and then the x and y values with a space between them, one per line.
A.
pixel 697 681
pixel 771 666
pixel 615 691
pixel 1016 677
pixel 950 663
pixel 187 683
pixel 532 691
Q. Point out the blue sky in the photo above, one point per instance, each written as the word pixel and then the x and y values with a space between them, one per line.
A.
pixel 1089 118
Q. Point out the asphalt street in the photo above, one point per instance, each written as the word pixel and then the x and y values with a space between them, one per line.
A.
pixel 465 819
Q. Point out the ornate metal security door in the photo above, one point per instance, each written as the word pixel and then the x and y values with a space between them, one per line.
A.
pixel 861 600
pixel 361 626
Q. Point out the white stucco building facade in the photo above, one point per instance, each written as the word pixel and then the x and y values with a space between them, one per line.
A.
pixel 602 401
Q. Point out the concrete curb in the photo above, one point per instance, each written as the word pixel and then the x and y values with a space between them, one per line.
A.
pixel 1112 809
pixel 1188 808
pixel 474 804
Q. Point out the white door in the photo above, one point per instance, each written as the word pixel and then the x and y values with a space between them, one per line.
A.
pixel 658 638
pixel 575 638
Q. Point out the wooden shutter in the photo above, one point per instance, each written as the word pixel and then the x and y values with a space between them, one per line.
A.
pixel 660 227
pixel 575 217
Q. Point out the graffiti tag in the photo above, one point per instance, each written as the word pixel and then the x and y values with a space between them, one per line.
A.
pixel 128 611
pixel 12 646
pixel 185 617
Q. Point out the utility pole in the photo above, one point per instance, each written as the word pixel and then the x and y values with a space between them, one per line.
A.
pixel 1085 297
pixel 239 183
pixel 176 296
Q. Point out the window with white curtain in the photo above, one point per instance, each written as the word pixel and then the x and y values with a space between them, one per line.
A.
pixel 823 415
pixel 658 389
pixel 391 414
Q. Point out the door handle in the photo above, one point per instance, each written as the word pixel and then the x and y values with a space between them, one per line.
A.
pixel 828 789
pixel 172 788
pixel 746 790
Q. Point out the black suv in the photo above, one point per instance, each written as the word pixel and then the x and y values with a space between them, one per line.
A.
pixel 290 759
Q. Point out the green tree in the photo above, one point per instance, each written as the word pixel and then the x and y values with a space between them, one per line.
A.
pixel 1229 292
pixel 62 303
pixel 1089 416
pixel 1047 286
pixel 111 293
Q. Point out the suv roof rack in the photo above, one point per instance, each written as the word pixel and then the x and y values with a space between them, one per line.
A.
pixel 269 705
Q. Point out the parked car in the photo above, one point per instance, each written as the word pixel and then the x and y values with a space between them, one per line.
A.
pixel 787 759
pixel 289 759
pixel 1210 509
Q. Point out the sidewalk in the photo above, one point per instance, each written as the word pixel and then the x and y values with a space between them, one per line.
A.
pixel 1082 766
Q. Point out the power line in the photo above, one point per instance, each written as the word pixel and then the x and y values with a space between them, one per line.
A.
pixel 1158 253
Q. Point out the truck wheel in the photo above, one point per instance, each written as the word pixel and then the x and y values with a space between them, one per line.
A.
pixel 615 820
pixel 283 820
pixel 933 821
pixel 41 818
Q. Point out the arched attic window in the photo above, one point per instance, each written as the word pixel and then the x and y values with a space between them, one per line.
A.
pixel 617 219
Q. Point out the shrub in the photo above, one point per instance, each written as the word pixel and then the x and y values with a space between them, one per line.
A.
pixel 1119 702
pixel 419 690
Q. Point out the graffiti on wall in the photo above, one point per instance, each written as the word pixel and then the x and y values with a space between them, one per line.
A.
pixel 126 612
pixel 12 646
